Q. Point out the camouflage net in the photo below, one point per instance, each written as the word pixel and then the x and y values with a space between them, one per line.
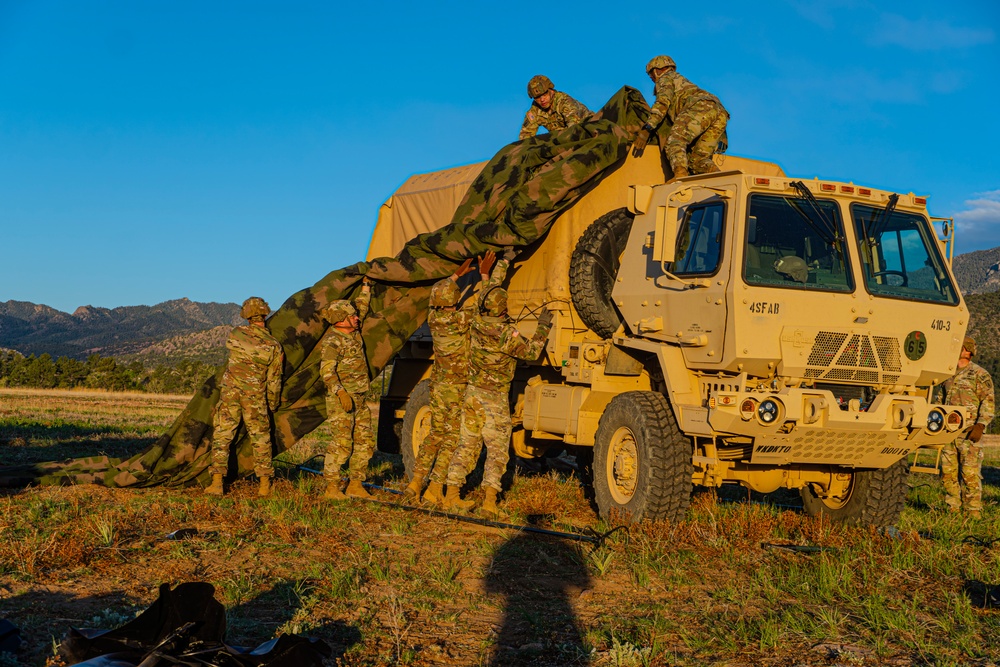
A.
pixel 513 201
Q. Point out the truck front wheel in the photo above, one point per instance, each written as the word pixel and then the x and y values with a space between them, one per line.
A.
pixel 416 425
pixel 871 498
pixel 642 462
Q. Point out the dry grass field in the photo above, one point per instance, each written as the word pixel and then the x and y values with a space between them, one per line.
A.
pixel 386 586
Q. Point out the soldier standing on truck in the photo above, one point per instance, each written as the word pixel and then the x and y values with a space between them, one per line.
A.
pixel 496 347
pixel 250 385
pixel 553 109
pixel 698 121
pixel 449 327
pixel 344 368
pixel 971 387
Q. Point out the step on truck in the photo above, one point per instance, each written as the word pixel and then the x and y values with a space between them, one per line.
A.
pixel 740 327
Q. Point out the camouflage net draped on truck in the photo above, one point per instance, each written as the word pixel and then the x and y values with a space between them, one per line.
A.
pixel 513 201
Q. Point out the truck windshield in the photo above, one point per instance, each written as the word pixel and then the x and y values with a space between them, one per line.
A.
pixel 792 242
pixel 898 254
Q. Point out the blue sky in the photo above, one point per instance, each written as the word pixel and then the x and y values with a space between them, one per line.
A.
pixel 212 150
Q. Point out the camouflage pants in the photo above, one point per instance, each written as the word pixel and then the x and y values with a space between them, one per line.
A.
pixel 485 418
pixel 446 424
pixel 234 406
pixel 965 456
pixel 352 438
pixel 695 136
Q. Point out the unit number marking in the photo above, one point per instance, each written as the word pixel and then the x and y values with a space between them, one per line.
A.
pixel 764 307
pixel 941 325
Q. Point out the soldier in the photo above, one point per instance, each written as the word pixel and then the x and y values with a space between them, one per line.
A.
pixel 551 108
pixel 250 385
pixel 449 327
pixel 496 347
pixel 698 121
pixel 971 387
pixel 344 367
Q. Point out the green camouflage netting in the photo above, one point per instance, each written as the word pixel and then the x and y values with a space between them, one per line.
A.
pixel 513 201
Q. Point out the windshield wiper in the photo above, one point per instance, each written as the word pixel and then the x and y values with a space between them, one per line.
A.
pixel 881 219
pixel 828 230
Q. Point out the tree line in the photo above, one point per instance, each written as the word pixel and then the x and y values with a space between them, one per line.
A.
pixel 97 372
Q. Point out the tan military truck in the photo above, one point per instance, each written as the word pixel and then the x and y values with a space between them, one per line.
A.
pixel 741 327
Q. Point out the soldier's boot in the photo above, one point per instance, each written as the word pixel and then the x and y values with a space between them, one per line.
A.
pixel 489 505
pixel 333 491
pixel 216 488
pixel 356 489
pixel 453 500
pixel 679 172
pixel 264 490
pixel 416 485
pixel 434 493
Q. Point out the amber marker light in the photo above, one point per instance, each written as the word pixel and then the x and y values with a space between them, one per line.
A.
pixel 762 181
pixel 954 421
pixel 748 409
pixel 828 187
pixel 847 189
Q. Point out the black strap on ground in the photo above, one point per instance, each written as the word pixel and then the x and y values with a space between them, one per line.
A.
pixel 799 548
pixel 594 537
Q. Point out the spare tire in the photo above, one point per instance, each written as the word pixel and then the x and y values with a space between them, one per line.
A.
pixel 594 267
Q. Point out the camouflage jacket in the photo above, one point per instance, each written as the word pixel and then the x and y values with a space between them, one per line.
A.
pixel 972 387
pixel 255 362
pixel 450 329
pixel 563 112
pixel 673 94
pixel 496 347
pixel 343 364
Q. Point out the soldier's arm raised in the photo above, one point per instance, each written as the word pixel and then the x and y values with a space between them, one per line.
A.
pixel 362 303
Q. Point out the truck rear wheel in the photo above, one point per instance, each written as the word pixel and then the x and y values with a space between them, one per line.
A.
pixel 642 462
pixel 594 267
pixel 416 425
pixel 873 498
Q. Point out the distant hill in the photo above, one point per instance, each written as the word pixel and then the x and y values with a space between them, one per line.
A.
pixel 158 332
pixel 978 272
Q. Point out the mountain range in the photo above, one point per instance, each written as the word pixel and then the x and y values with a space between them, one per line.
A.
pixel 185 329
pixel 127 331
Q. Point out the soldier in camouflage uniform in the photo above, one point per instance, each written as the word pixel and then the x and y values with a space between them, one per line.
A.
pixel 697 121
pixel 971 387
pixel 449 327
pixel 344 369
pixel 550 108
pixel 250 385
pixel 496 347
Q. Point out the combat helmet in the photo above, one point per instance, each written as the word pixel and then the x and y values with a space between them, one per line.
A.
pixel 494 302
pixel 660 61
pixel 254 307
pixel 970 344
pixel 444 294
pixel 338 311
pixel 538 85
pixel 793 267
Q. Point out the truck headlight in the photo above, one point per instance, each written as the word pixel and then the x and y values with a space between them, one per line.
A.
pixel 935 421
pixel 768 411
pixel 748 408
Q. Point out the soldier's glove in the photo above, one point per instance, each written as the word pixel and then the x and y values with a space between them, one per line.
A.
pixel 976 433
pixel 346 401
pixel 639 145
pixel 509 254
pixel 545 319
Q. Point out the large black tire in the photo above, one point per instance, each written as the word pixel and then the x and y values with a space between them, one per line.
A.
pixel 594 267
pixel 642 462
pixel 416 425
pixel 874 498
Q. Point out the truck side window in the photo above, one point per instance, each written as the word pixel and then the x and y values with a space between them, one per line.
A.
pixel 699 240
